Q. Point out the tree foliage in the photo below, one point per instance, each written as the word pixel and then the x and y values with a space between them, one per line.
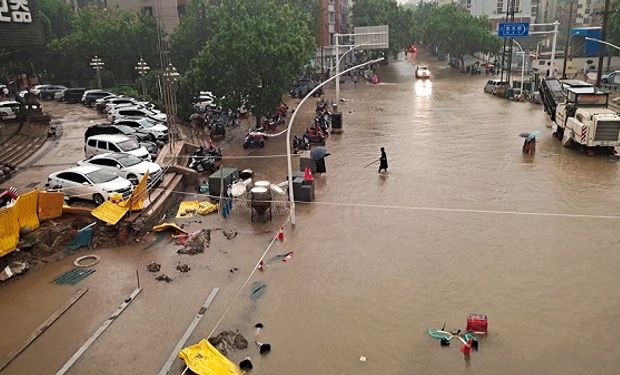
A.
pixel 454 30
pixel 386 12
pixel 117 37
pixel 252 58
pixel 613 29
pixel 192 34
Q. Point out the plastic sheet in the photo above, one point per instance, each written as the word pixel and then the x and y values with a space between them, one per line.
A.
pixel 204 359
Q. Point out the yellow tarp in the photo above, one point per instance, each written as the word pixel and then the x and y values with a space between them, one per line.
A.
pixel 110 213
pixel 50 205
pixel 26 210
pixel 136 199
pixel 204 359
pixel 9 231
pixel 187 209
pixel 165 226
pixel 205 208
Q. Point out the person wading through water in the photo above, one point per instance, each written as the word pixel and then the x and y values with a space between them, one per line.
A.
pixel 383 164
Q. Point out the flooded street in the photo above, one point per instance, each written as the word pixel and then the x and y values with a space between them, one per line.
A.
pixel 463 223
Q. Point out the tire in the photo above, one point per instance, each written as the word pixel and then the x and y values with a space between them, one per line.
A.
pixel 133 179
pixel 262 144
pixel 605 81
pixel 245 146
pixel 98 199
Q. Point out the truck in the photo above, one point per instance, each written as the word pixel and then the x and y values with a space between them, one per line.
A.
pixel 583 117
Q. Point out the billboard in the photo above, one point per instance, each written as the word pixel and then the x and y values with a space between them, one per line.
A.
pixel 373 37
pixel 19 23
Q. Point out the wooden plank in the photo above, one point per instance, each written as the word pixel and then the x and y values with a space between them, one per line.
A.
pixel 175 352
pixel 98 333
pixel 42 328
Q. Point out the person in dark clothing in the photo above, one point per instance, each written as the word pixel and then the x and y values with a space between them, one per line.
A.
pixel 383 163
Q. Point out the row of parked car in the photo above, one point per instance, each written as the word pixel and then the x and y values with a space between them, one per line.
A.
pixel 119 152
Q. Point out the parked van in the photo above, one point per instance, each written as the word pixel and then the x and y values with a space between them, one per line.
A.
pixel 492 84
pixel 104 143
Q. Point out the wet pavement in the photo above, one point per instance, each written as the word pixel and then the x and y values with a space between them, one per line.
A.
pixel 462 223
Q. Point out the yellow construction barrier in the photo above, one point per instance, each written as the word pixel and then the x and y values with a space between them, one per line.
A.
pixel 26 210
pixel 50 205
pixel 206 207
pixel 204 359
pixel 187 209
pixel 168 226
pixel 9 230
pixel 136 199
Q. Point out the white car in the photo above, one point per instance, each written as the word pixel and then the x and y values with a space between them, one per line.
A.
pixel 118 101
pixel 158 130
pixel 205 100
pixel 106 143
pixel 37 89
pixel 421 71
pixel 8 110
pixel 137 111
pixel 89 183
pixel 59 95
pixel 126 166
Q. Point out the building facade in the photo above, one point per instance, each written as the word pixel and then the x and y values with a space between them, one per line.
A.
pixel 495 10
pixel 168 11
pixel 336 19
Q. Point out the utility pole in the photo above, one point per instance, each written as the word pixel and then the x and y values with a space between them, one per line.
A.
pixel 568 37
pixel 601 51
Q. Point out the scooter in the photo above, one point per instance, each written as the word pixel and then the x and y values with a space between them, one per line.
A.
pixel 254 139
pixel 200 161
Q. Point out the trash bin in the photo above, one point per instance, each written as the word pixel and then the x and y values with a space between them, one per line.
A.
pixel 215 180
pixel 337 122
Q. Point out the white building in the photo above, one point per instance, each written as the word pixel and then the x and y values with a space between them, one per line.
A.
pixel 495 10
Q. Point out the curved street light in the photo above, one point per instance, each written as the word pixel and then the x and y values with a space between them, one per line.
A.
pixel 290 126
pixel 142 68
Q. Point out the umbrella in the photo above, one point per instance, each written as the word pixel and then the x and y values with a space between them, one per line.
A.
pixel 318 152
pixel 529 136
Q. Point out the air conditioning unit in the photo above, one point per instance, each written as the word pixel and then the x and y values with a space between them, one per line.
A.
pixel 331 28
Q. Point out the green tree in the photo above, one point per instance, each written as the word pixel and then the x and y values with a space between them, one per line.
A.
pixel 56 19
pixel 258 48
pixel 117 37
pixel 192 34
pixel 613 29
pixel 387 12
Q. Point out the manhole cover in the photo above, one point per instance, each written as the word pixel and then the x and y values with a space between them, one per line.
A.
pixel 32 184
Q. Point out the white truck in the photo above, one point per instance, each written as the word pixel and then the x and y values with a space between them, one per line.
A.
pixel 585 119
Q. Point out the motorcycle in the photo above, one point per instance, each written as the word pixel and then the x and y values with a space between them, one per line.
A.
pixel 254 139
pixel 202 161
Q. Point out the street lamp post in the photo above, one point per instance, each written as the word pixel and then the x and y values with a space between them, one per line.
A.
pixel 171 77
pixel 142 68
pixel 290 126
pixel 97 65
pixel 522 63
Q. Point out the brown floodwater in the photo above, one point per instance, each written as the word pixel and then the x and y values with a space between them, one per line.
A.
pixel 462 223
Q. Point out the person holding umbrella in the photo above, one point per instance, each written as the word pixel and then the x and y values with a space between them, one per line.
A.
pixel 383 163
pixel 318 154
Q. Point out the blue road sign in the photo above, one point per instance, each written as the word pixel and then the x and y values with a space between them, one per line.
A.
pixel 513 29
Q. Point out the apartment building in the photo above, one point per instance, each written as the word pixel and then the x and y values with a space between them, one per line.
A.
pixel 336 19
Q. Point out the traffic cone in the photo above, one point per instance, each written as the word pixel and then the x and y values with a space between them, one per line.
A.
pixel 308 174
pixel 280 235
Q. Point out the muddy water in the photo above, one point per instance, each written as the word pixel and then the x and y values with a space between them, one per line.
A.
pixel 462 223
pixel 370 281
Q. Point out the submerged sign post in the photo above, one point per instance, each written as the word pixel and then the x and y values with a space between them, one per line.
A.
pixel 513 29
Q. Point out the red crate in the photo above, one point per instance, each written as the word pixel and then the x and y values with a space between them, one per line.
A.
pixel 477 323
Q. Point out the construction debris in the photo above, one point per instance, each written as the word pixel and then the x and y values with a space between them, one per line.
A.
pixel 13 269
pixel 229 340
pixel 229 234
pixel 163 277
pixel 196 242
pixel 73 276
pixel 153 267
pixel 183 267
pixel 257 290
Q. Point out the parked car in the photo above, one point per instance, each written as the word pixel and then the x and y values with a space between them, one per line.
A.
pixel 492 84
pixel 204 100
pixel 90 96
pixel 101 102
pixel 8 110
pixel 157 130
pixel 47 93
pixel 137 111
pixel 610 77
pixel 421 71
pixel 127 166
pixel 99 129
pixel 303 87
pixel 106 143
pixel 110 104
pixel 36 89
pixel 73 95
pixel 89 183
